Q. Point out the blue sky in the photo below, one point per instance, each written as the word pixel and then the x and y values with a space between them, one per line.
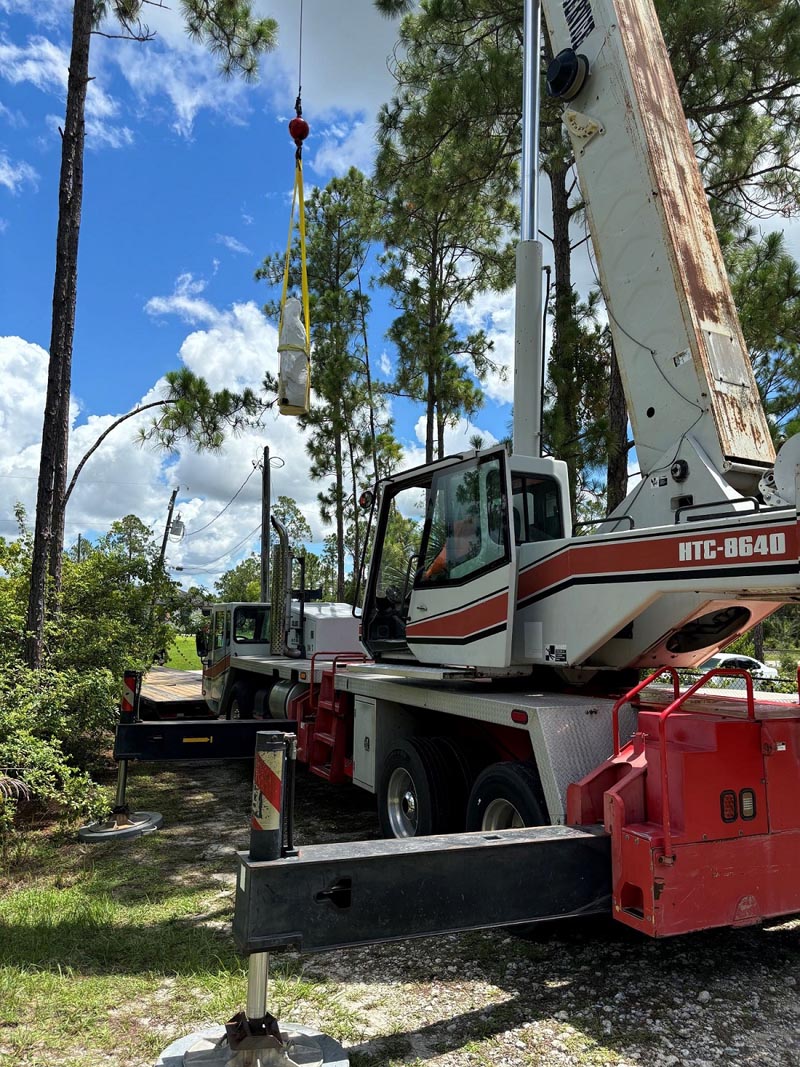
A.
pixel 186 189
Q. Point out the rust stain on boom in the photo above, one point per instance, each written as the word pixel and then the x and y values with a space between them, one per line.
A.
pixel 697 258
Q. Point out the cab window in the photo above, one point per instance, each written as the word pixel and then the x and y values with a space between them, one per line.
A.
pixel 251 625
pixel 466 528
pixel 218 635
pixel 536 508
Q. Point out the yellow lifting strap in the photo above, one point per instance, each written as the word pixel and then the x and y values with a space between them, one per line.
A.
pixel 294 336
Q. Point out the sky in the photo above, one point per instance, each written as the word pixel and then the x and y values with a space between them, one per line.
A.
pixel 187 187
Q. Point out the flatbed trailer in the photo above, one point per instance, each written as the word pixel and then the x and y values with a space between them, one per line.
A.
pixel 170 694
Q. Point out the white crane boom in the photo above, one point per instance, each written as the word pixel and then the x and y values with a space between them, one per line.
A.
pixel 683 360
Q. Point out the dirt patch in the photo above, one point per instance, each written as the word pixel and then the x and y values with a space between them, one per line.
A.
pixel 588 995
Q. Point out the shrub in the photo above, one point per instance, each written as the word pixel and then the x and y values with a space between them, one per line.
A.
pixel 53 727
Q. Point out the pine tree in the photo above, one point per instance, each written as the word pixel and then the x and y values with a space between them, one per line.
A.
pixel 448 213
pixel 350 443
pixel 229 30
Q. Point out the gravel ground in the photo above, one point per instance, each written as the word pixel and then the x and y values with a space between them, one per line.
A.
pixel 586 995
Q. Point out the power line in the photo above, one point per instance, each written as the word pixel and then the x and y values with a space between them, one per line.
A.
pixel 84 481
pixel 229 552
pixel 241 487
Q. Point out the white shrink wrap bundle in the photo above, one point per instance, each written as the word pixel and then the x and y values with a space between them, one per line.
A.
pixel 294 369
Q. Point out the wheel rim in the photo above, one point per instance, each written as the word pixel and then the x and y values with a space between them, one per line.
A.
pixel 402 804
pixel 502 815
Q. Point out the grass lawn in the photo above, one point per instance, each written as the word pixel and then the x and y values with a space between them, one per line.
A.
pixel 109 952
pixel 183 654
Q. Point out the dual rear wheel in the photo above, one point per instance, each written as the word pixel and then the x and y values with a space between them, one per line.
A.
pixel 434 785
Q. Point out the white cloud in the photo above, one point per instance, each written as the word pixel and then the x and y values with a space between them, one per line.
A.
pixel 385 364
pixel 184 301
pixel 494 313
pixel 233 245
pixel 24 371
pixel 48 13
pixel 233 349
pixel 344 147
pixel 14 175
pixel 15 119
pixel 45 65
pixel 339 38
pixel 456 439
pixel 189 80
pixel 346 47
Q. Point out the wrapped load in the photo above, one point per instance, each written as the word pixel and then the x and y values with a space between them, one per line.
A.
pixel 295 360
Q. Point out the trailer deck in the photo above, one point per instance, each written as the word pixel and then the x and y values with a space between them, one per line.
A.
pixel 170 694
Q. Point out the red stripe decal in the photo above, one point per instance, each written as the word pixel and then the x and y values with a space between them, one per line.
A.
pixel 268 782
pixel 656 554
pixel 465 622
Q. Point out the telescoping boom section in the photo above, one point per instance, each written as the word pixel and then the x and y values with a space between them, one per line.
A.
pixel 684 362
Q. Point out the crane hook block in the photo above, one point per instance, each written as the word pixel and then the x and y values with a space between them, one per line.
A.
pixel 298 130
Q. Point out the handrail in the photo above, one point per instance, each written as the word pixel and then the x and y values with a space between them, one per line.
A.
pixel 662 740
pixel 676 685
pixel 608 518
pixel 335 658
pixel 725 502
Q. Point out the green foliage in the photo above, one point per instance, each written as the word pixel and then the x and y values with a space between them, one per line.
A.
pixel 738 69
pixel 53 725
pixel 576 393
pixel 287 512
pixel 191 411
pixel 113 604
pixel 242 583
pixel 350 443
pixel 446 182
pixel 766 287
pixel 56 721
pixel 229 31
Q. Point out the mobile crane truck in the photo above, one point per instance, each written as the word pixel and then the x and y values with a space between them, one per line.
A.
pixel 498 686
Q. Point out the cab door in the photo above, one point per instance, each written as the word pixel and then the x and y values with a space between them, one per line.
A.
pixel 218 661
pixel 463 600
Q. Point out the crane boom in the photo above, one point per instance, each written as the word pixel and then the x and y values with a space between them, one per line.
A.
pixel 682 356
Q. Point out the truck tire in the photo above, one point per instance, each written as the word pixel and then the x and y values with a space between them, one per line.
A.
pixel 506 795
pixel 240 705
pixel 419 790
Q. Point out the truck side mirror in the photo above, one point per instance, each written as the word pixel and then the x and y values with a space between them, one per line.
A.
pixel 201 643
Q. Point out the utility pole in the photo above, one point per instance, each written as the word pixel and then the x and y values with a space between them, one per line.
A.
pixel 265 499
pixel 162 554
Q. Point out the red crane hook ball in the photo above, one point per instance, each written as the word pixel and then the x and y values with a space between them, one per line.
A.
pixel 298 130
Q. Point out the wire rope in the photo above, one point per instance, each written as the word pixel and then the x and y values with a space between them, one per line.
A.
pixel 219 513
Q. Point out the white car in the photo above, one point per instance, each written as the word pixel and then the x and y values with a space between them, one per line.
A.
pixel 747 663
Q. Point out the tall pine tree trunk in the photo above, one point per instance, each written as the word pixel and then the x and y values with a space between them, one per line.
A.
pixel 617 471
pixel 49 533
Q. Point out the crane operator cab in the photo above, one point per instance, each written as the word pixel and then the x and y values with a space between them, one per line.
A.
pixel 442 586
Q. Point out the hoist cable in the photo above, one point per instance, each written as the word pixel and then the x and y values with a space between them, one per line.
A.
pixel 300 55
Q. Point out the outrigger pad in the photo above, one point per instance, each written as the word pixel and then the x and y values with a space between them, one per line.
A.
pixel 302 1046
pixel 121 824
